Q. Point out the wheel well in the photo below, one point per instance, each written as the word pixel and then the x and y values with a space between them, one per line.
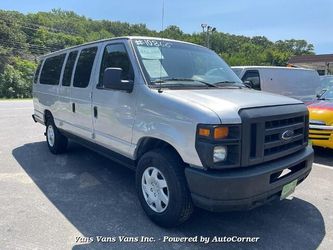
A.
pixel 147 144
pixel 47 115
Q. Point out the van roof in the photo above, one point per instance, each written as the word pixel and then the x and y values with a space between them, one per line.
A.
pixel 112 39
pixel 269 67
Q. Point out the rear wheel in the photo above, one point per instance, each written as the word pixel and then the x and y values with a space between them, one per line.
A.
pixel 56 142
pixel 162 188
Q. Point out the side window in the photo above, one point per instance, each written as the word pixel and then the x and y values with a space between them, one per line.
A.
pixel 38 71
pixel 52 69
pixel 66 79
pixel 237 71
pixel 254 77
pixel 115 56
pixel 84 67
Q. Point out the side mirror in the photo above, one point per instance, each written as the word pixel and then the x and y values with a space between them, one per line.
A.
pixel 249 84
pixel 112 80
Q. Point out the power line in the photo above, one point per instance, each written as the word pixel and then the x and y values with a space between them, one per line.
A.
pixel 36 50
pixel 37 29
pixel 31 45
pixel 47 27
pixel 23 49
pixel 43 46
pixel 33 48
pixel 37 26
pixel 22 45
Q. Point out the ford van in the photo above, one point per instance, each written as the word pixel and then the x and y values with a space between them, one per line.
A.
pixel 176 114
pixel 299 83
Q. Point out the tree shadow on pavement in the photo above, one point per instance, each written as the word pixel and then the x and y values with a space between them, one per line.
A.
pixel 98 197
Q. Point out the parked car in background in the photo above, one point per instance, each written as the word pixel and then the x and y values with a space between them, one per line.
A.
pixel 302 84
pixel 321 119
pixel 179 116
pixel 326 81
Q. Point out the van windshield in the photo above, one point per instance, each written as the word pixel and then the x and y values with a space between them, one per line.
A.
pixel 326 94
pixel 177 64
pixel 326 81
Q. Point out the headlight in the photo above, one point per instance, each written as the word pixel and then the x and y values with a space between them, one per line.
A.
pixel 218 146
pixel 220 153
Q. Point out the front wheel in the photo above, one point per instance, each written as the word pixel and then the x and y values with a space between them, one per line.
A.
pixel 162 188
pixel 56 142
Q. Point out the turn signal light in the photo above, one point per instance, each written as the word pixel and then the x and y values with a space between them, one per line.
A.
pixel 221 132
pixel 204 132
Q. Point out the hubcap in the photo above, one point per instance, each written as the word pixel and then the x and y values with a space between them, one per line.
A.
pixel 155 189
pixel 50 135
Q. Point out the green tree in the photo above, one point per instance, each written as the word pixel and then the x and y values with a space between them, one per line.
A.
pixel 24 37
pixel 16 80
pixel 172 32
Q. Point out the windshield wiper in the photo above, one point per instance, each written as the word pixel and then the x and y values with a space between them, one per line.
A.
pixel 174 79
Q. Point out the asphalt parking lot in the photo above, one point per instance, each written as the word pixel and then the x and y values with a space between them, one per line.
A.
pixel 48 201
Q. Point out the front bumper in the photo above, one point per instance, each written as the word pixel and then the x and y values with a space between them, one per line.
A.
pixel 247 187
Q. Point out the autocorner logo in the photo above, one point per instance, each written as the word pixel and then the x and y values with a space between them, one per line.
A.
pixel 287 135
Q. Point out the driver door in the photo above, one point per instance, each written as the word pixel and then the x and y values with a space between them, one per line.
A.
pixel 114 110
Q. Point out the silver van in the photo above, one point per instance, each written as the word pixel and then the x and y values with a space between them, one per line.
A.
pixel 195 136
pixel 299 83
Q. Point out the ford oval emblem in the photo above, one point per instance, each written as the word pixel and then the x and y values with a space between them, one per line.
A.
pixel 287 135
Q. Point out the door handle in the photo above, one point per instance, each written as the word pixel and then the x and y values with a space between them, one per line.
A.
pixel 95 112
pixel 73 107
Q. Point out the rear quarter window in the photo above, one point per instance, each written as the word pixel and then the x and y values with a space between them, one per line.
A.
pixel 38 71
pixel 52 69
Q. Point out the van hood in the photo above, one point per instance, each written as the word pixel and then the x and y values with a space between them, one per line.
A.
pixel 321 110
pixel 326 105
pixel 226 103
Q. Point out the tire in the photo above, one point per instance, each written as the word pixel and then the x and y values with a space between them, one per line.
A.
pixel 56 142
pixel 163 165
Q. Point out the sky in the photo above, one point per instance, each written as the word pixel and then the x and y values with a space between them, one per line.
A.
pixel 311 20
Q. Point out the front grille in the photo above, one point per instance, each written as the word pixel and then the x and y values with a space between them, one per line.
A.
pixel 273 132
pixel 320 134
pixel 274 143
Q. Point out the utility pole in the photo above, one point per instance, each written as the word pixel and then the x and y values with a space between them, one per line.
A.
pixel 207 30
